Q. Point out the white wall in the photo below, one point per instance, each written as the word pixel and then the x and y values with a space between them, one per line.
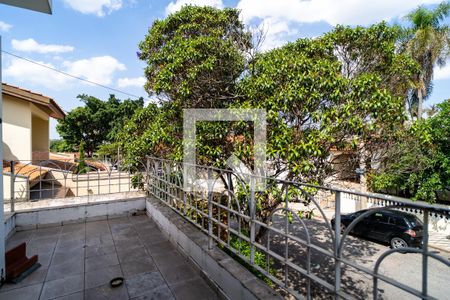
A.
pixel 16 129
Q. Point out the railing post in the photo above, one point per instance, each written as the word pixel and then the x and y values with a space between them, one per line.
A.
pixel 12 186
pixel 425 255
pixel 147 174
pixel 337 241
pixel 210 224
pixel 252 219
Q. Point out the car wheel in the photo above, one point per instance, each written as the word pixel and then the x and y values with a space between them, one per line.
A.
pixel 397 242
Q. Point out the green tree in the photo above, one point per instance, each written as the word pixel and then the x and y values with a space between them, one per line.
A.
pixel 195 56
pixel 428 42
pixel 81 167
pixel 96 122
pixel 60 146
pixel 313 100
pixel 418 165
pixel 345 90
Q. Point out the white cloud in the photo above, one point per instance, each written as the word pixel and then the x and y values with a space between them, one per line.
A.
pixel 276 33
pixel 442 73
pixel 30 45
pixel 131 82
pixel 100 69
pixel 5 27
pixel 279 17
pixel 99 8
pixel 349 12
pixel 24 71
pixel 176 5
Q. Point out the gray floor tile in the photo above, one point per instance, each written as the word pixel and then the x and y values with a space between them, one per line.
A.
pixel 18 238
pixel 60 257
pixel 50 231
pixel 101 276
pixel 101 239
pixel 196 289
pixel 43 240
pixel 105 292
pixel 73 266
pixel 71 236
pixel 176 274
pixel 132 254
pixel 74 296
pixel 70 245
pixel 66 285
pixel 79 260
pixel 142 265
pixel 162 247
pixel 43 259
pixel 77 227
pixel 101 261
pixel 127 245
pixel 139 284
pixel 38 276
pixel 169 260
pixel 97 250
pixel 25 293
pixel 153 238
pixel 157 294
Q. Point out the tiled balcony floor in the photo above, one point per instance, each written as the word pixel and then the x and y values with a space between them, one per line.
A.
pixel 79 260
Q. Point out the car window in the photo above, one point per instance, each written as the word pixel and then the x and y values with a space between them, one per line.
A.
pixel 397 221
pixel 380 217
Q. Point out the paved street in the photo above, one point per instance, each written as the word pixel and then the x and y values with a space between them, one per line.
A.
pixel 405 268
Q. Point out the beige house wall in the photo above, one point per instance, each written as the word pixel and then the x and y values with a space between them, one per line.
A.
pixel 26 134
pixel 16 129
pixel 40 141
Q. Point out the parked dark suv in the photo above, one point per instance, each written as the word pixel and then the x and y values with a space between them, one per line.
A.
pixel 398 228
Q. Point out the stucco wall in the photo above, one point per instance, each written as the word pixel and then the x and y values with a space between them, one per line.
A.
pixel 40 140
pixel 16 129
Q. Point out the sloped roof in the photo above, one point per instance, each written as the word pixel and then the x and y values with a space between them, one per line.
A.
pixel 35 98
pixel 33 172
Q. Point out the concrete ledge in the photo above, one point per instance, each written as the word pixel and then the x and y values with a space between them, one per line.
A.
pixel 10 225
pixel 234 280
pixel 103 208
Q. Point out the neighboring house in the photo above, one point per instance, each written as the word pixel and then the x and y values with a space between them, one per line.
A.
pixel 26 117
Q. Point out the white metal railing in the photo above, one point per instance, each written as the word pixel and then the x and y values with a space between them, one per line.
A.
pixel 295 252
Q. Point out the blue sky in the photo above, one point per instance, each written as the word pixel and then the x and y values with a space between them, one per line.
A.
pixel 97 39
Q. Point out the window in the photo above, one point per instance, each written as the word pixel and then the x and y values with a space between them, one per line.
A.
pixel 397 221
pixel 380 217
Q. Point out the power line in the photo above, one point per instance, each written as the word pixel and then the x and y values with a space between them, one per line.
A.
pixel 70 75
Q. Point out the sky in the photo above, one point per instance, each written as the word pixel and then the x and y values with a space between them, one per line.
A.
pixel 98 39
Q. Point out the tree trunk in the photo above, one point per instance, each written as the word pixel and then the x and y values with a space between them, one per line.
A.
pixel 420 104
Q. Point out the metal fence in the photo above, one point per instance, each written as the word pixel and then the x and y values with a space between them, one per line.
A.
pixel 29 181
pixel 283 235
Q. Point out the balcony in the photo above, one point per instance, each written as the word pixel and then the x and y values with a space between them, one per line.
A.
pixel 79 260
pixel 212 241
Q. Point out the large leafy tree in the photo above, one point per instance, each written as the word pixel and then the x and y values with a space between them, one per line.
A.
pixel 418 164
pixel 96 122
pixel 318 94
pixel 427 40
pixel 195 56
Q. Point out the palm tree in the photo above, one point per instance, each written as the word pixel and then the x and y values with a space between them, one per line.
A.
pixel 428 42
